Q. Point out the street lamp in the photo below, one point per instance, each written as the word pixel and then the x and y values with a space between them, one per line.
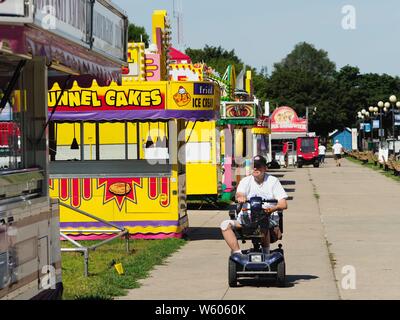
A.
pixel 360 116
pixel 393 104
pixel 371 111
pixel 381 131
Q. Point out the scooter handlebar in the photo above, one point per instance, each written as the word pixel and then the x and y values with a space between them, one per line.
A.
pixel 263 201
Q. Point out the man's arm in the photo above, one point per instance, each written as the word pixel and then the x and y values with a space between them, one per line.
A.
pixel 279 193
pixel 241 191
pixel 241 197
pixel 280 206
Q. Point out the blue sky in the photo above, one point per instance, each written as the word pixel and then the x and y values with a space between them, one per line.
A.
pixel 263 32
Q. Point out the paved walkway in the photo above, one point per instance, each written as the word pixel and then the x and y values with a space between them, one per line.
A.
pixel 339 217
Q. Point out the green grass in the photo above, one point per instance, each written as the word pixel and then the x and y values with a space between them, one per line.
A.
pixel 103 282
pixel 388 174
pixel 194 204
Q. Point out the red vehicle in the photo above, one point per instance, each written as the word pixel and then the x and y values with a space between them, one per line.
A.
pixel 8 130
pixel 307 151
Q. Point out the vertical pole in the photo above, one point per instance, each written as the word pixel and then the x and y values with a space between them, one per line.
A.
pixel 82 141
pixel 372 133
pixel 126 140
pixel 97 141
pixel 380 128
pixel 394 150
pixel 307 117
pixel 138 141
pixel 127 243
pixel 86 258
pixel 363 137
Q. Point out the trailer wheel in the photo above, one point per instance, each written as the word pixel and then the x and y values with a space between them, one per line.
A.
pixel 232 274
pixel 281 274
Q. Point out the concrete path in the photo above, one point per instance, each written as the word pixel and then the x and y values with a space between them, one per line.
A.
pixel 361 214
pixel 339 217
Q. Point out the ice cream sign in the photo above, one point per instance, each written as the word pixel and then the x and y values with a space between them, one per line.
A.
pixel 193 95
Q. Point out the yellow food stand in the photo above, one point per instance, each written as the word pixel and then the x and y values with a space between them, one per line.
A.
pixel 203 156
pixel 119 154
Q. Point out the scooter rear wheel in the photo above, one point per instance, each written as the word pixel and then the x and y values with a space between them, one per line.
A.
pixel 232 274
pixel 281 274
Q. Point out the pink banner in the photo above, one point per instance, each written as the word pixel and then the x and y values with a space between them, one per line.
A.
pixel 285 119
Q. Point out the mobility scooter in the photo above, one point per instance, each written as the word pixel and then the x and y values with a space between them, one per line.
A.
pixel 253 263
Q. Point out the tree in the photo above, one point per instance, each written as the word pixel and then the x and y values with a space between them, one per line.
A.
pixel 305 58
pixel 138 34
pixel 216 57
pixel 305 79
pixel 219 59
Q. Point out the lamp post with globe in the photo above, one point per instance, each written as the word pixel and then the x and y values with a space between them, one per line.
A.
pixel 393 103
pixel 381 130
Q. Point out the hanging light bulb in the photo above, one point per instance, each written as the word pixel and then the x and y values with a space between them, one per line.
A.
pixel 74 144
pixel 158 141
pixel 149 142
pixel 165 138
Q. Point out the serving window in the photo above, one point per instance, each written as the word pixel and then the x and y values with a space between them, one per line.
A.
pixel 85 141
pixel 12 114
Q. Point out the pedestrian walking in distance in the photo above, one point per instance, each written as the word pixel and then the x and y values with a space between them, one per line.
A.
pixel 321 153
pixel 337 152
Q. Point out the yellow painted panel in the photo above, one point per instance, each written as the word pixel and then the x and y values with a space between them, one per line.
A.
pixel 203 131
pixel 201 179
pixel 145 199
pixel 132 138
pixel 112 133
pixel 65 133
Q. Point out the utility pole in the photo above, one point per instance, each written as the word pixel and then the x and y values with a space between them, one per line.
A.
pixel 307 117
pixel 178 15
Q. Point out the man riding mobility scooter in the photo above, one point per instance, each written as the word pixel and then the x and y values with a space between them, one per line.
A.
pixel 254 262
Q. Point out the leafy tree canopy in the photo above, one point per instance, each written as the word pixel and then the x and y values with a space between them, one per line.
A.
pixel 138 34
pixel 307 79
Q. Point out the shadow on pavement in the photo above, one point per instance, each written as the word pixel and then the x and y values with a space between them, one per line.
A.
pixel 208 206
pixel 206 233
pixel 288 182
pixel 291 281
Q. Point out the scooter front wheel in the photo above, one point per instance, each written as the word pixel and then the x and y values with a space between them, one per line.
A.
pixel 281 274
pixel 232 274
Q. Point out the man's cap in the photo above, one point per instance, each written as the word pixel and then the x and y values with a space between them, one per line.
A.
pixel 337 141
pixel 259 161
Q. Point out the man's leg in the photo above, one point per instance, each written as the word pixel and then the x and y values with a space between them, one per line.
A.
pixel 229 235
pixel 265 242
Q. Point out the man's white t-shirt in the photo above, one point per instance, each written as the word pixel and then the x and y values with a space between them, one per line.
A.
pixel 337 148
pixel 270 189
pixel 322 150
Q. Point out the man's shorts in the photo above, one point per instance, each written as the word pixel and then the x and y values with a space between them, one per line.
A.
pixel 273 220
pixel 338 156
